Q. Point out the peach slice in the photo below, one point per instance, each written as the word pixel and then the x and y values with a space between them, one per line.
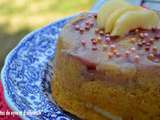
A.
pixel 134 19
pixel 107 9
pixel 109 24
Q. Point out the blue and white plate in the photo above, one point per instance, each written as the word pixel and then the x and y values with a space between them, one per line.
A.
pixel 27 73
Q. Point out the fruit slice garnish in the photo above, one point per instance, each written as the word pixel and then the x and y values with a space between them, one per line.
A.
pixel 135 19
pixel 107 9
pixel 110 21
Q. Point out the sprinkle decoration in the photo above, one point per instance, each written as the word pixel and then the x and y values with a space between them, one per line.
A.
pixel 113 47
pixel 157 37
pixel 101 32
pixel 83 42
pixel 133 40
pixel 136 58
pixel 133 49
pixel 118 54
pixel 110 55
pixel 145 34
pixel 84 25
pixel 81 30
pixel 77 27
pixel 96 30
pixel 99 39
pixel 137 30
pixel 141 35
pixel 127 53
pixel 139 38
pixel 147 48
pixel 94 48
pixel 87 23
pixel 87 27
pixel 140 44
pixel 158 55
pixel 94 41
pixel 151 56
pixel 151 40
pixel 155 50
pixel 108 40
pixel 95 16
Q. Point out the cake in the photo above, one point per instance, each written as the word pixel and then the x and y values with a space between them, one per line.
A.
pixel 107 64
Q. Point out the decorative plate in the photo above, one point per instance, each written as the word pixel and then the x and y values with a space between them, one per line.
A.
pixel 27 73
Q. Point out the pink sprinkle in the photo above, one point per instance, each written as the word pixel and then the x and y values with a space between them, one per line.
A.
pixel 133 49
pixel 87 27
pixel 108 40
pixel 118 54
pixel 110 55
pixel 94 48
pixel 87 22
pixel 113 47
pixel 136 58
pixel 127 53
pixel 157 36
pixel 145 34
pixel 94 41
pixel 83 42
pixel 95 16
pixel 77 27
pixel 91 23
pixel 82 30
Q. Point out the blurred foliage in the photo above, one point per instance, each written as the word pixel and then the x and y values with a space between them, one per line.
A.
pixel 35 13
pixel 19 17
pixel 9 7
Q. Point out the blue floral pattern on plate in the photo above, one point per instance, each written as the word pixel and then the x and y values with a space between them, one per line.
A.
pixel 28 71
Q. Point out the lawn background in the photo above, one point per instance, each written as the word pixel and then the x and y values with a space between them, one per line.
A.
pixel 19 17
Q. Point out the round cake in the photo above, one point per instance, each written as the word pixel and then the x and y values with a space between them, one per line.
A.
pixel 108 75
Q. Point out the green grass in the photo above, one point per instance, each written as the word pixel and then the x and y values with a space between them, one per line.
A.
pixel 35 13
pixel 19 17
pixel 31 7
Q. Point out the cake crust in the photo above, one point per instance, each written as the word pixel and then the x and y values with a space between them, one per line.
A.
pixel 95 85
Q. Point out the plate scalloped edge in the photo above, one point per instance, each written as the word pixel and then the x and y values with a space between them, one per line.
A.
pixel 12 99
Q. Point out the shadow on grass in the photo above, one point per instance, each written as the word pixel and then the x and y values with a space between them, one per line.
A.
pixel 9 40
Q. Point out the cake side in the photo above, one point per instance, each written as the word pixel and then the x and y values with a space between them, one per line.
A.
pixel 123 100
pixel 99 76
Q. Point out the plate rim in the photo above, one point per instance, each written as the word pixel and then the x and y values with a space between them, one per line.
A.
pixel 9 57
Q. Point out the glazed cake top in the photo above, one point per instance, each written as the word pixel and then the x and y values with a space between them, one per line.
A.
pixel 83 40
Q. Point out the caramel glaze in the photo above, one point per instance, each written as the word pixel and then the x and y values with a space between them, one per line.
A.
pixel 139 48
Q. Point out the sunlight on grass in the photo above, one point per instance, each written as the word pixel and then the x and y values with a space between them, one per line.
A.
pixel 19 17
pixel 36 13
